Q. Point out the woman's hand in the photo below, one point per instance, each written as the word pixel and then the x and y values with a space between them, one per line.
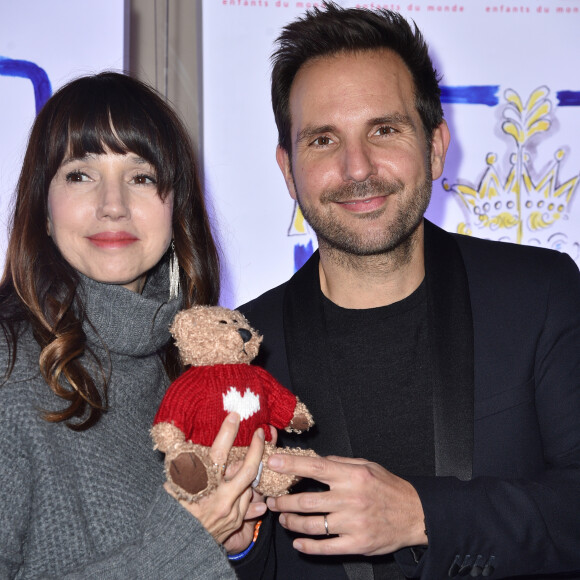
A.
pixel 228 512
pixel 241 539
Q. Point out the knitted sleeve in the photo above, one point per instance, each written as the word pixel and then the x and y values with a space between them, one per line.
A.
pixel 43 528
pixel 171 545
pixel 15 495
pixel 281 401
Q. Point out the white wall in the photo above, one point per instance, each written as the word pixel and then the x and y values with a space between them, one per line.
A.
pixel 64 38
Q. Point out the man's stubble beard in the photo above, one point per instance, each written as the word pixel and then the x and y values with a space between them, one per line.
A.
pixel 394 243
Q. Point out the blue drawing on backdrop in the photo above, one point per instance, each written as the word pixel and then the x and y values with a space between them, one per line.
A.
pixel 28 70
pixel 471 95
pixel 301 254
pixel 568 98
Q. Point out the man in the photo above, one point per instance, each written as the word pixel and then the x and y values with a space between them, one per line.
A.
pixel 451 364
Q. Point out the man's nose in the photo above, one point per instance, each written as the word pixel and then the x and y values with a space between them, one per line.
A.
pixel 358 162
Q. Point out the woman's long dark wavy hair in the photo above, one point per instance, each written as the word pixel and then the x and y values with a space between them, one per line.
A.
pixel 94 114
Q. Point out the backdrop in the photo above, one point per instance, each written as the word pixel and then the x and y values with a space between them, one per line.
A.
pixel 511 97
pixel 43 45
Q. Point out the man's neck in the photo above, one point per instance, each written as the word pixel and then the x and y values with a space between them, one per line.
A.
pixel 371 281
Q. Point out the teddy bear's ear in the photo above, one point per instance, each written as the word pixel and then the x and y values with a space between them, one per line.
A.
pixel 178 322
pixel 185 323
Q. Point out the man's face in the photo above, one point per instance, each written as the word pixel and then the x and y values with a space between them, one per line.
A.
pixel 361 168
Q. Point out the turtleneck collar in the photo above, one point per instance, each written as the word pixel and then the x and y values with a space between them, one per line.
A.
pixel 125 322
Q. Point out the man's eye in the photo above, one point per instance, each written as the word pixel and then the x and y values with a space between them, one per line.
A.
pixel 322 141
pixel 385 130
pixel 144 179
pixel 76 177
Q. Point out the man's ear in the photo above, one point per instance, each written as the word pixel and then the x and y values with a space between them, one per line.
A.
pixel 439 146
pixel 284 163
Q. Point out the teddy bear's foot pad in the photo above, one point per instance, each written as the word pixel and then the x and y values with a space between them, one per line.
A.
pixel 188 472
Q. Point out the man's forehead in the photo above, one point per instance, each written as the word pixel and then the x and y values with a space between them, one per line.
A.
pixel 348 82
pixel 386 56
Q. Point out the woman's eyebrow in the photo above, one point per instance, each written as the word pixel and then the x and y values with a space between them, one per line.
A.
pixel 138 159
pixel 73 158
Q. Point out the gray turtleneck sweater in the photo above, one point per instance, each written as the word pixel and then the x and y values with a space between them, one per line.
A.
pixel 91 504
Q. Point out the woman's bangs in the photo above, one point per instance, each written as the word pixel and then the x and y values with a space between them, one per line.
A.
pixel 97 115
pixel 92 133
pixel 145 133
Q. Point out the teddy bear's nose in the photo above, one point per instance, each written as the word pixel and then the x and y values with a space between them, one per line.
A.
pixel 245 334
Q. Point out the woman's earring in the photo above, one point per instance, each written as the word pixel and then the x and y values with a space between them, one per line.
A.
pixel 173 273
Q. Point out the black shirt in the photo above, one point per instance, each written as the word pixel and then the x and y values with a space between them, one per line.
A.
pixel 382 375
pixel 381 368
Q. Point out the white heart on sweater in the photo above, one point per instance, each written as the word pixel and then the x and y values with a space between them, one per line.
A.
pixel 244 405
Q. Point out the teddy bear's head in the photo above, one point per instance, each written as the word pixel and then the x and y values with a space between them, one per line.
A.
pixel 210 335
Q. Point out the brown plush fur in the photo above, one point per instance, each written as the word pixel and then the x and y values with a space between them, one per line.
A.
pixel 271 483
pixel 208 335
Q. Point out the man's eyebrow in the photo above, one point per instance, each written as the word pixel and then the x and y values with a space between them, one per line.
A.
pixel 394 119
pixel 310 132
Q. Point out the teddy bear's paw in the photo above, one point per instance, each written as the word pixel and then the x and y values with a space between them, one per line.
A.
pixel 188 473
pixel 274 484
pixel 166 436
pixel 302 419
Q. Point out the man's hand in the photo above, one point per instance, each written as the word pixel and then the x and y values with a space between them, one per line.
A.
pixel 369 510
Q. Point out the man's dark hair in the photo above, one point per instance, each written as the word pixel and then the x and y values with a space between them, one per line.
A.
pixel 335 30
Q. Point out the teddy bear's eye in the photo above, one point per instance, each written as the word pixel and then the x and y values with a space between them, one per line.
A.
pixel 223 322
pixel 234 321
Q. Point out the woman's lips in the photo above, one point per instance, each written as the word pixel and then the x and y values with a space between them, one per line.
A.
pixel 112 239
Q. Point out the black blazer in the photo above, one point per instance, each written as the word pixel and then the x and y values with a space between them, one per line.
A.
pixel 505 330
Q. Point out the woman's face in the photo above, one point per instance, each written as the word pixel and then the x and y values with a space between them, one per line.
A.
pixel 107 219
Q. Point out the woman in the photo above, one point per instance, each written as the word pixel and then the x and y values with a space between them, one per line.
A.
pixel 108 210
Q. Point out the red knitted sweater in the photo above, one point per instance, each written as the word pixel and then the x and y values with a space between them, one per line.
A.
pixel 198 401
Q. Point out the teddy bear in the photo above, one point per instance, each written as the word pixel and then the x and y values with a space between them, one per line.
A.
pixel 220 344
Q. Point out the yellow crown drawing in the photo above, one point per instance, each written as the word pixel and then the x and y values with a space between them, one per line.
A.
pixel 519 209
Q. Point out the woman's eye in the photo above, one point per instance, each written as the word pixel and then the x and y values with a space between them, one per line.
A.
pixel 76 177
pixel 144 179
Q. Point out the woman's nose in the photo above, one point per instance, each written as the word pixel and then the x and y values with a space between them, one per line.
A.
pixel 113 200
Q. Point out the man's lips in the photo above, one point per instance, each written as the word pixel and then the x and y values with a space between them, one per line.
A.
pixel 363 205
pixel 112 239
